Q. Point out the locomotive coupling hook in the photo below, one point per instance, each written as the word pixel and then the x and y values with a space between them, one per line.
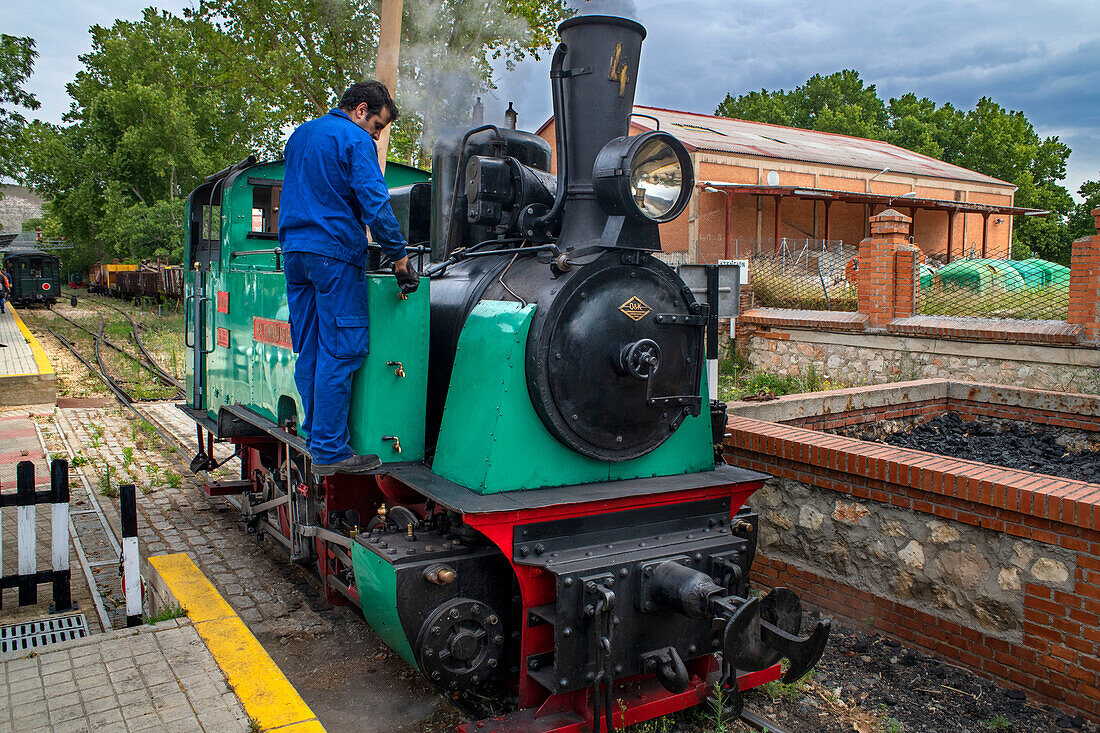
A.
pixel 760 632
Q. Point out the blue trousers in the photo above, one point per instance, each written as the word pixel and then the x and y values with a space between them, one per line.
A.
pixel 329 331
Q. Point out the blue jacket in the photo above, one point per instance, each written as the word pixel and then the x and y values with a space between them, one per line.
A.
pixel 333 187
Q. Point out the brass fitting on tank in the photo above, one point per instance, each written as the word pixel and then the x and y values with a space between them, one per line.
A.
pixel 440 574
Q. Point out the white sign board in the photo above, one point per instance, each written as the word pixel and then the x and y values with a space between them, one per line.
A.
pixel 742 267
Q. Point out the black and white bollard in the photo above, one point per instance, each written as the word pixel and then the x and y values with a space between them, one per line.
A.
pixel 27 576
pixel 26 531
pixel 59 516
pixel 131 563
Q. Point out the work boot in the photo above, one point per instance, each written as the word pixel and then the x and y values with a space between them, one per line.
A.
pixel 352 465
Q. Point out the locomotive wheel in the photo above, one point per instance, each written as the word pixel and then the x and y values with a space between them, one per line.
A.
pixel 460 644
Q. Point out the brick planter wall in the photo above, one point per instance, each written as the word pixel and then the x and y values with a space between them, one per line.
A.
pixel 993 569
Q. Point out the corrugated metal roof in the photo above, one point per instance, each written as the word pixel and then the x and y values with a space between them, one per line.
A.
pixel 725 134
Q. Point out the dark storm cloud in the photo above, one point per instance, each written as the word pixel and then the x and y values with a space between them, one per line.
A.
pixel 1042 58
pixel 1039 57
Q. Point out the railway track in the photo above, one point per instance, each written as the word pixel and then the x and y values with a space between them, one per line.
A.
pixel 148 363
pixel 152 363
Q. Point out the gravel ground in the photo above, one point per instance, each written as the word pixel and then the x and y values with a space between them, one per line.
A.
pixel 1072 454
pixel 868 683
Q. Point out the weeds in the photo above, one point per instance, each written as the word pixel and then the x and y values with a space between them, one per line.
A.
pixel 254 725
pixel 998 722
pixel 777 690
pixel 80 459
pixel 166 614
pixel 127 457
pixel 105 486
pixel 173 479
pixel 715 714
pixel 741 381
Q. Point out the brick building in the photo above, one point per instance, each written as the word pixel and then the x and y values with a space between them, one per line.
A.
pixel 765 183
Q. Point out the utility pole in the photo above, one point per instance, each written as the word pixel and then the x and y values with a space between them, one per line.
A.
pixel 385 67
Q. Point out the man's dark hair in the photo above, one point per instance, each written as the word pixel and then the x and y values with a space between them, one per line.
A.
pixel 374 93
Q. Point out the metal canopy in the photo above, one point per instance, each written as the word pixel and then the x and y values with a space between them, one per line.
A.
pixel 855 197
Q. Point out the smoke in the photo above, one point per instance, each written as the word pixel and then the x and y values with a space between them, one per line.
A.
pixel 621 8
pixel 446 61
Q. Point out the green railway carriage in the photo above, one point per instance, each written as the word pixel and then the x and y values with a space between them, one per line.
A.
pixel 35 276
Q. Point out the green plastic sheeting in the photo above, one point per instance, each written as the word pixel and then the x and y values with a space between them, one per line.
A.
pixel 981 275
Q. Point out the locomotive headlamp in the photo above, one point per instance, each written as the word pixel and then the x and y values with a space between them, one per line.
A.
pixel 647 176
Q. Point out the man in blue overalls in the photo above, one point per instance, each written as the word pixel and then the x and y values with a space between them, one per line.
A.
pixel 333 188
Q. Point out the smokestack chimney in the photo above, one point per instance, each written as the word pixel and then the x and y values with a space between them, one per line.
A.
pixel 510 116
pixel 478 114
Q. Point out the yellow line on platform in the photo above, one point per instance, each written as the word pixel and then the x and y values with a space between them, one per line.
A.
pixel 266 693
pixel 44 366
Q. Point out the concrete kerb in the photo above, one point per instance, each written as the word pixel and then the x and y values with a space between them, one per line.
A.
pixel 831 402
pixel 814 404
pixel 174 581
pixel 27 387
pixel 40 359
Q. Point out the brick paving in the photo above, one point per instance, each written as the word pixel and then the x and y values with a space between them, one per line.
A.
pixel 151 678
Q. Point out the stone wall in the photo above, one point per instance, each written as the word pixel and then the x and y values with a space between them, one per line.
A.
pixel 866 358
pixel 964 574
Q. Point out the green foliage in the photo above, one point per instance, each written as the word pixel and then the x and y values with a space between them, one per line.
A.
pixel 742 381
pixel 714 714
pixel 127 457
pixel 303 55
pixel 166 614
pixel 17 56
pixel 106 488
pixel 891 725
pixel 173 479
pixel 1081 221
pixel 152 115
pixel 988 139
pixel 998 722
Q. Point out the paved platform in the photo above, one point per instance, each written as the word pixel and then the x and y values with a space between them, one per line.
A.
pixel 158 677
pixel 26 376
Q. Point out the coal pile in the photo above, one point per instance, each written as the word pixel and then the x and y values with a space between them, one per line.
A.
pixel 1072 454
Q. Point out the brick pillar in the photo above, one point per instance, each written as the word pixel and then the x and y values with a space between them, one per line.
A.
pixel 1084 284
pixel 888 272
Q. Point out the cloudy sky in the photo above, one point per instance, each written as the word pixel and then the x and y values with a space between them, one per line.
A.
pixel 1041 57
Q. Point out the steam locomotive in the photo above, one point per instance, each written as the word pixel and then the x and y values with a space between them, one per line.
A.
pixel 553 522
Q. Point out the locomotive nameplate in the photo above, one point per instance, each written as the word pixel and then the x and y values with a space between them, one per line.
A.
pixel 223 302
pixel 270 331
pixel 635 308
pixel 223 338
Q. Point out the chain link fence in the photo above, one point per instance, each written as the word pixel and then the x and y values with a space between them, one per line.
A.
pixel 1022 289
pixel 805 274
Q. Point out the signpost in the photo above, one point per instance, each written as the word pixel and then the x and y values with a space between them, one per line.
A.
pixel 720 286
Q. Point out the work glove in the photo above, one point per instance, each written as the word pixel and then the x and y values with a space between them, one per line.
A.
pixel 408 280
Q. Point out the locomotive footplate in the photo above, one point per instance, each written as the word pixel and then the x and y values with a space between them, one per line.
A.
pixel 648 590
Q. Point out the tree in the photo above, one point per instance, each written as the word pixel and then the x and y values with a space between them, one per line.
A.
pixel 988 139
pixel 1081 222
pixel 16 64
pixel 839 102
pixel 151 116
pixel 303 55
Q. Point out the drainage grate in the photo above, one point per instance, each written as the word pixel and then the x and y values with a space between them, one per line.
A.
pixel 33 634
